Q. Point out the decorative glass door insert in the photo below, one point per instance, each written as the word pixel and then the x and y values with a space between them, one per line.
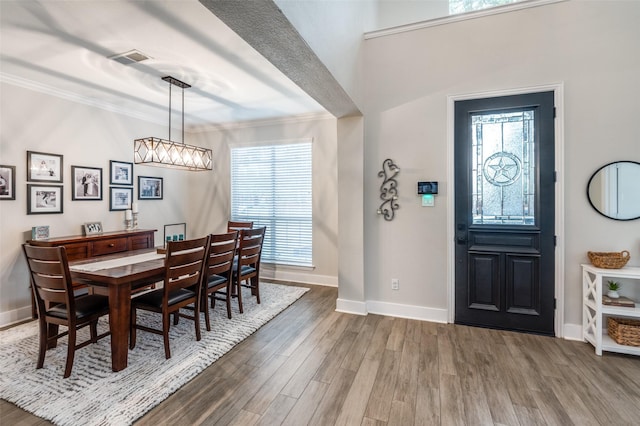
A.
pixel 503 168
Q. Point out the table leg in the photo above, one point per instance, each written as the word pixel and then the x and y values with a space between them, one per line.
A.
pixel 119 318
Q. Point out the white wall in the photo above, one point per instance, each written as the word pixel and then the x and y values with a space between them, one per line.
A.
pixel 590 46
pixel 213 209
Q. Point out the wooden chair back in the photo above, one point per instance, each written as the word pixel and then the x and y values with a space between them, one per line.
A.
pixel 247 265
pixel 185 264
pixel 219 271
pixel 50 277
pixel 222 250
pixel 250 247
pixel 238 225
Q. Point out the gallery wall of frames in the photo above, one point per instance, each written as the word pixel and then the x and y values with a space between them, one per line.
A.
pixel 46 188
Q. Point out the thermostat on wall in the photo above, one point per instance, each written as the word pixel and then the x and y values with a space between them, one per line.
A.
pixel 427 187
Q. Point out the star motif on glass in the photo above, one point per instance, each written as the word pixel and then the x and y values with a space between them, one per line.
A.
pixel 502 169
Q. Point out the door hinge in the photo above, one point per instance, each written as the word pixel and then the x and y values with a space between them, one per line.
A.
pixel 555 176
pixel 554 303
pixel 554 112
pixel 555 240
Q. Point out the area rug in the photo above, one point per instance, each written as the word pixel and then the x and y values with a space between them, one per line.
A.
pixel 95 395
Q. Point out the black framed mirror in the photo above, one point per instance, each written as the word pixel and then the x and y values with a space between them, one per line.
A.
pixel 614 190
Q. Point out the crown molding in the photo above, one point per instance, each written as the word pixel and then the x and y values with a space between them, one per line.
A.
pixel 74 97
pixel 317 116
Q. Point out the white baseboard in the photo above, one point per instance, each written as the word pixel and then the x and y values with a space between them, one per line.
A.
pixel 298 277
pixel 421 313
pixel 573 332
pixel 351 307
pixel 391 309
pixel 15 316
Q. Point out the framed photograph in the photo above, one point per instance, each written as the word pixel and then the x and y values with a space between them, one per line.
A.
pixel 7 182
pixel 87 183
pixel 175 232
pixel 149 188
pixel 43 167
pixel 121 173
pixel 44 199
pixel 92 228
pixel 120 198
pixel 40 232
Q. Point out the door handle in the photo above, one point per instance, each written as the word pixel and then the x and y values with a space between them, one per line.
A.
pixel 461 238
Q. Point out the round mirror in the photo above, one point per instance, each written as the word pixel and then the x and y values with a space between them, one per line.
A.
pixel 614 190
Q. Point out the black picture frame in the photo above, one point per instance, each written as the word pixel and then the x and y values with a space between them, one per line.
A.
pixel 45 199
pixel 7 182
pixel 120 198
pixel 120 173
pixel 44 167
pixel 150 188
pixel 86 183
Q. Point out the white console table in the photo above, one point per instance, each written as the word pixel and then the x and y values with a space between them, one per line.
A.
pixel 594 329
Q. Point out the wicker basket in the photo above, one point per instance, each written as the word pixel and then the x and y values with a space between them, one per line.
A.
pixel 624 331
pixel 609 260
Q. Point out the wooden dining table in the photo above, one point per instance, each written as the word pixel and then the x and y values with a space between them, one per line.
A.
pixel 116 276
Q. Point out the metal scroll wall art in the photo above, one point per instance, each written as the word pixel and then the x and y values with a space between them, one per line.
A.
pixel 388 189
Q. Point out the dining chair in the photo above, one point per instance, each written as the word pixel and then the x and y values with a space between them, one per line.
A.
pixel 57 305
pixel 218 272
pixel 246 267
pixel 234 225
pixel 184 266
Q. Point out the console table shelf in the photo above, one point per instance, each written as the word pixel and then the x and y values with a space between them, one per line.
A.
pixel 594 329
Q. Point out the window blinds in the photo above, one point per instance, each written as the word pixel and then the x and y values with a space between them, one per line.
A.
pixel 271 186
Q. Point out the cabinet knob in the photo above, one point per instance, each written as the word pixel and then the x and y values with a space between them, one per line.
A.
pixel 112 245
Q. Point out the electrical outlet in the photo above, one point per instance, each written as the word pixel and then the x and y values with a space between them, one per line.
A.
pixel 395 284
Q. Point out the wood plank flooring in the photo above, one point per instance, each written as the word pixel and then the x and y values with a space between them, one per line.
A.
pixel 313 366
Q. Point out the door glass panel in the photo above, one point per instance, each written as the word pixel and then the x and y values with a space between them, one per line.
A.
pixel 503 162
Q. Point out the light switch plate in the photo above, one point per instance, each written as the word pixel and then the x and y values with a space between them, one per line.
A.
pixel 428 200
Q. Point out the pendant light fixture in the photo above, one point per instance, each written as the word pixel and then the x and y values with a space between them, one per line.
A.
pixel 167 153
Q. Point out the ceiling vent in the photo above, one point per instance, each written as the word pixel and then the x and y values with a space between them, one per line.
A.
pixel 130 57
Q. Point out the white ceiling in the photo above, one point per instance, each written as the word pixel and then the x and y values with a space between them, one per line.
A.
pixel 63 48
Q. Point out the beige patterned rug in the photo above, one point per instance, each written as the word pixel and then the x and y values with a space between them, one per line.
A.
pixel 94 395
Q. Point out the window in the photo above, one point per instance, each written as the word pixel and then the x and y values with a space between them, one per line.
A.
pixel 463 6
pixel 271 186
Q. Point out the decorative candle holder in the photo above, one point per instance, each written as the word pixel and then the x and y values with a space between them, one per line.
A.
pixel 135 220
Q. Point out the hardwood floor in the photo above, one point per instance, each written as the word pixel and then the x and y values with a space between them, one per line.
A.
pixel 312 365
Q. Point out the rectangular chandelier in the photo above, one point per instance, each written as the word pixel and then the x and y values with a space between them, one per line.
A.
pixel 160 152
pixel 166 153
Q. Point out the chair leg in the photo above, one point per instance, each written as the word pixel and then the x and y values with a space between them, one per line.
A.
pixel 165 332
pixel 43 342
pixel 93 328
pixel 256 288
pixel 52 330
pixel 205 306
pixel 176 317
pixel 239 294
pixel 132 330
pixel 196 320
pixel 71 350
pixel 228 300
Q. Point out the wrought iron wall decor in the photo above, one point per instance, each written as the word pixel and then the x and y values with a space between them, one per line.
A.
pixel 388 189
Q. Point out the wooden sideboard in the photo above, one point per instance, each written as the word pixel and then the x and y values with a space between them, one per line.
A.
pixel 82 247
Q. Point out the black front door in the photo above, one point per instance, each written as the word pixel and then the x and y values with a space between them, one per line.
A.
pixel 505 207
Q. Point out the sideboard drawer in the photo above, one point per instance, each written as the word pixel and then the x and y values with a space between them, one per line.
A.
pixel 114 245
pixel 141 242
pixel 77 251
